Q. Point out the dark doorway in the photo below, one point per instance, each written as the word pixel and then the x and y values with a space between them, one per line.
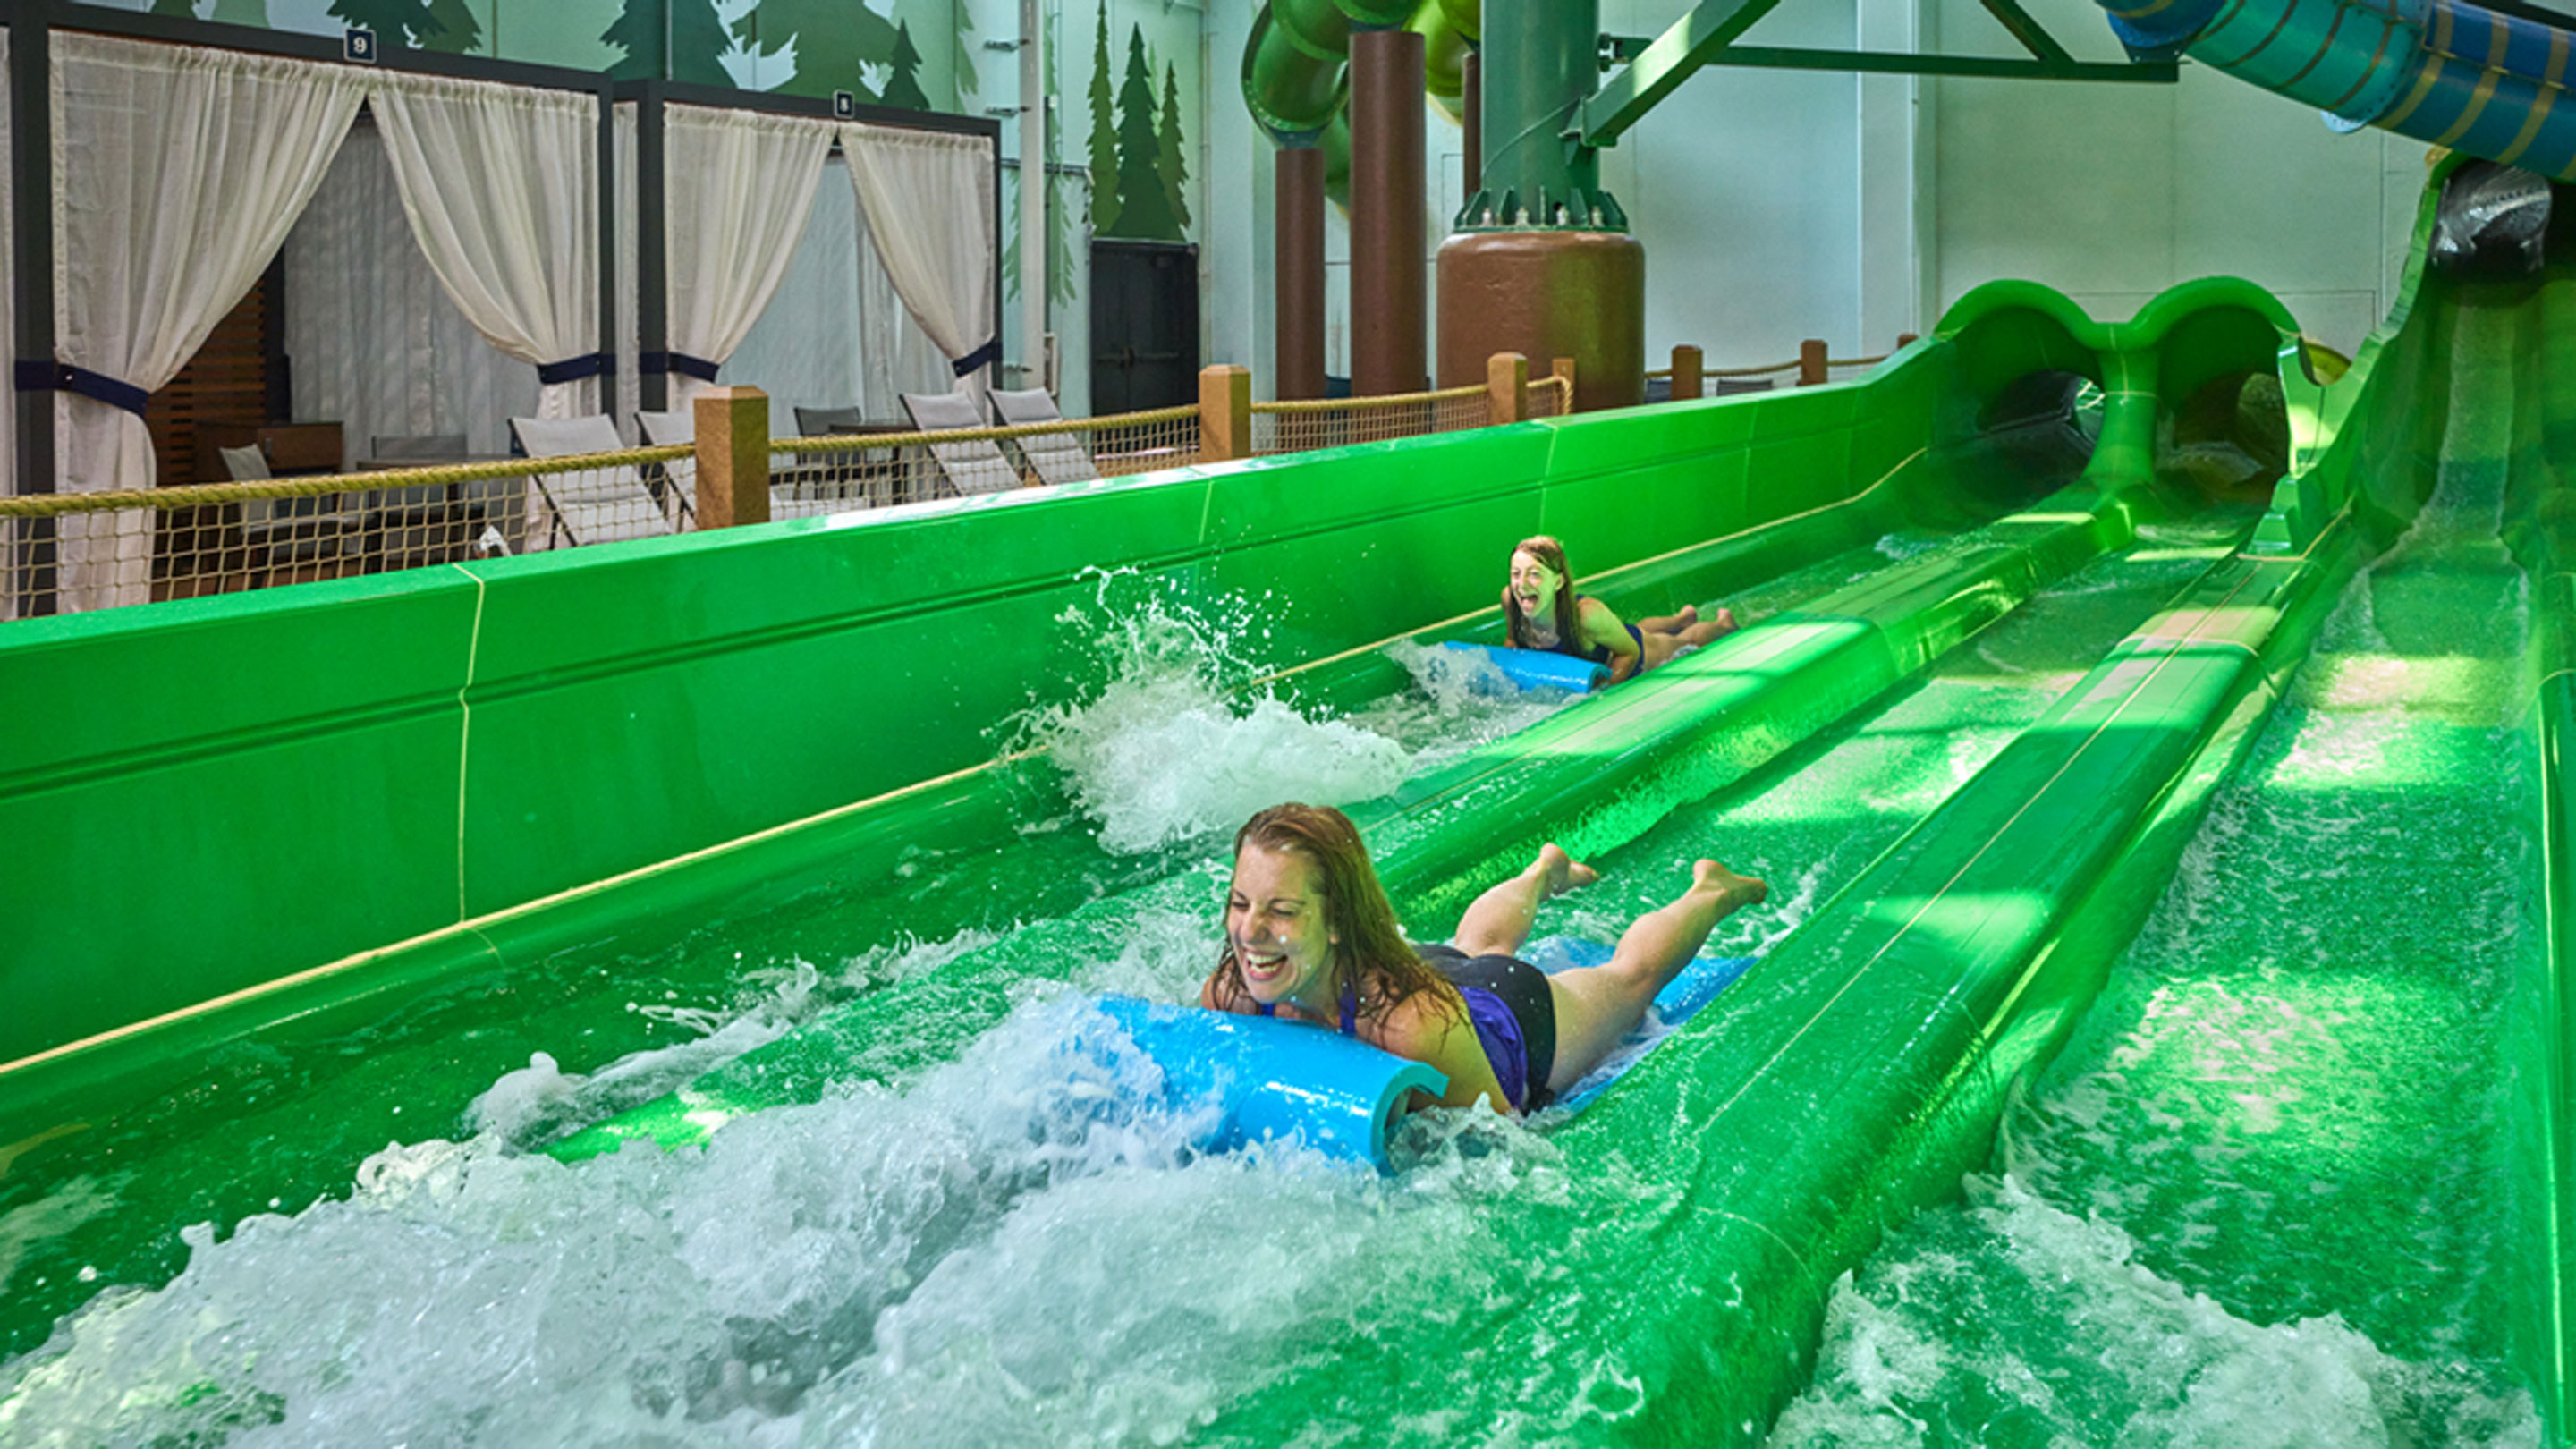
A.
pixel 1144 326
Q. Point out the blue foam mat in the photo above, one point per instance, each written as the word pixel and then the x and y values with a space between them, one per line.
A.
pixel 1276 1079
pixel 1539 668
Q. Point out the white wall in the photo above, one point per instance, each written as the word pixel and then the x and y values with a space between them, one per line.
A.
pixel 2112 193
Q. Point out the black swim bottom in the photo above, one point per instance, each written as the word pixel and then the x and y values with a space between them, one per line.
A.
pixel 1521 987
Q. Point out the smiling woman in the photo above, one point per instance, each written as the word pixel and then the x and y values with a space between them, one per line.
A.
pixel 1541 611
pixel 1310 935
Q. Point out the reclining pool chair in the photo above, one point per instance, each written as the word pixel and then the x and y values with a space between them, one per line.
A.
pixel 975 466
pixel 591 505
pixel 680 425
pixel 1053 457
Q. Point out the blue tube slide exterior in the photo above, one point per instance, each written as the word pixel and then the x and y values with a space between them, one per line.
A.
pixel 2443 71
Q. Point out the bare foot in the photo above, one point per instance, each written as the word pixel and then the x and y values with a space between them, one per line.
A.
pixel 1739 890
pixel 1689 615
pixel 1725 621
pixel 1562 872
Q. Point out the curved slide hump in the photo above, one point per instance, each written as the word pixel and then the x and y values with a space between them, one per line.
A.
pixel 2454 74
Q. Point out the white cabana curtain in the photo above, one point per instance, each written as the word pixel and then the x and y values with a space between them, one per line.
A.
pixel 374 339
pixel 928 199
pixel 738 190
pixel 502 186
pixel 836 335
pixel 190 167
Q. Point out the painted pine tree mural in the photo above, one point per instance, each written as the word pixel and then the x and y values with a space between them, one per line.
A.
pixel 1143 211
pixel 240 12
pixel 395 22
pixel 452 28
pixel 1171 155
pixel 835 42
pixel 697 40
pixel 1104 135
pixel 903 88
pixel 176 9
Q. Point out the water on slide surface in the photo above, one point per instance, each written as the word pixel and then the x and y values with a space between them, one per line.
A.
pixel 2261 1198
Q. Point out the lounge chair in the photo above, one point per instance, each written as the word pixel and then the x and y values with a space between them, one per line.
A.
pixel 1053 457
pixel 973 466
pixel 290 533
pixel 591 505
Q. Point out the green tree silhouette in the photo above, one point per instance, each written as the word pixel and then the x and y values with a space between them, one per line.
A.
pixel 395 22
pixel 452 28
pixel 1171 154
pixel 835 41
pixel 697 42
pixel 177 9
pixel 241 12
pixel 903 88
pixel 1143 212
pixel 1104 133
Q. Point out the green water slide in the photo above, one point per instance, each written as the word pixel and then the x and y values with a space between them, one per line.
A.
pixel 295 875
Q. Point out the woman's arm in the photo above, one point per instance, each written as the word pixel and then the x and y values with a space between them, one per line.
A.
pixel 1603 630
pixel 1420 1030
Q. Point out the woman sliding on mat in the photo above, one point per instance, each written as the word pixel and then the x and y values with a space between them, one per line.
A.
pixel 1309 935
pixel 1542 611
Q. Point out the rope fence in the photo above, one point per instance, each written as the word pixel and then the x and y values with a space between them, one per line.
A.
pixel 1686 377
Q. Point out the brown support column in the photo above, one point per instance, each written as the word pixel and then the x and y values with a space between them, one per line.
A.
pixel 733 456
pixel 1811 362
pixel 1471 121
pixel 1298 343
pixel 1225 413
pixel 1506 387
pixel 1388 351
pixel 1686 372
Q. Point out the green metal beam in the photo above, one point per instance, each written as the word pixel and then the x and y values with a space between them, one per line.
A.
pixel 1692 42
pixel 1980 66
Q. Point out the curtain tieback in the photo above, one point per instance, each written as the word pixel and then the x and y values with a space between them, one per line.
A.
pixel 63 377
pixel 681 363
pixel 991 351
pixel 574 369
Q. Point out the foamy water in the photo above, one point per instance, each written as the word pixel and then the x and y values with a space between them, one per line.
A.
pixel 1010 1249
pixel 1173 750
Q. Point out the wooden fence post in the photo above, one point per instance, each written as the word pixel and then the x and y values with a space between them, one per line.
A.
pixel 733 456
pixel 1686 371
pixel 1506 388
pixel 1225 413
pixel 1811 362
pixel 1564 367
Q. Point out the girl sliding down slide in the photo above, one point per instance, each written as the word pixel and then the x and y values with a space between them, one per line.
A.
pixel 1310 936
pixel 1542 611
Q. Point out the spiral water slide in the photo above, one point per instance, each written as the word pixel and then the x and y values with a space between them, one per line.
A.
pixel 2478 81
pixel 1296 68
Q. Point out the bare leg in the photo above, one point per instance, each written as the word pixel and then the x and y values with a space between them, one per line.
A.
pixel 1597 1005
pixel 1499 920
pixel 1661 645
pixel 1670 623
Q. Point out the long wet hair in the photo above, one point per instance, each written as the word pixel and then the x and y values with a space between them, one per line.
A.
pixel 1371 959
pixel 1516 626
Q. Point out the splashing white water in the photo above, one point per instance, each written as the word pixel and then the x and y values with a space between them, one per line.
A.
pixel 1170 751
pixel 1017 1247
